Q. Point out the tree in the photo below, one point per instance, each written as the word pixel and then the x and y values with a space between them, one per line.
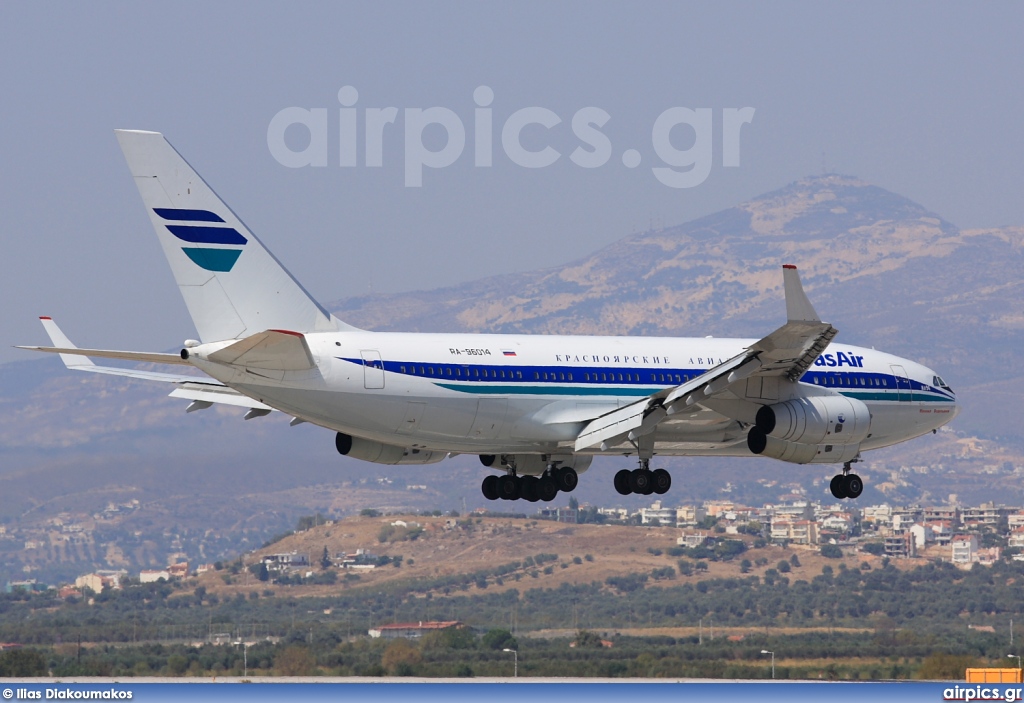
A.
pixel 794 560
pixel 745 566
pixel 295 661
pixel 945 667
pixel 177 664
pixel 22 663
pixel 499 639
pixel 325 559
pixel 308 521
pixel 831 551
pixel 783 567
pixel 400 658
pixel 449 638
pixel 587 639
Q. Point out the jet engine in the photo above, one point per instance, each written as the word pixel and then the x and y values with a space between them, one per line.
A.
pixel 835 419
pixel 380 453
pixel 758 442
pixel 536 464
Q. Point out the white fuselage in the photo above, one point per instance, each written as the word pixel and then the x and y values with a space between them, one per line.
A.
pixel 532 394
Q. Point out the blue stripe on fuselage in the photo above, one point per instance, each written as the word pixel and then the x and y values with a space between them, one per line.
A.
pixel 507 378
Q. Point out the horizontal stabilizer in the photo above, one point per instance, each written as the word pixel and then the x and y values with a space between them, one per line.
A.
pixel 78 359
pixel 278 350
pixel 151 357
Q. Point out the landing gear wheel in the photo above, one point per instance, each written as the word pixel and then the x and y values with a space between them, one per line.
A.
pixel 640 482
pixel 566 479
pixel 529 488
pixel 546 489
pixel 490 487
pixel 621 482
pixel 853 485
pixel 661 481
pixel 838 486
pixel 508 487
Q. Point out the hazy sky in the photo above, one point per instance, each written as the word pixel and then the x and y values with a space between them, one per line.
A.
pixel 921 98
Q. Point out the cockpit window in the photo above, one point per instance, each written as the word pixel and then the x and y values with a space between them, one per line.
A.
pixel 939 383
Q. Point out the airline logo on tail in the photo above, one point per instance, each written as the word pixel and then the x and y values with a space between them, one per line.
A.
pixel 218 252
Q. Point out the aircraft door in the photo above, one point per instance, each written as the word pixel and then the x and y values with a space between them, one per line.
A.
pixel 373 369
pixel 902 383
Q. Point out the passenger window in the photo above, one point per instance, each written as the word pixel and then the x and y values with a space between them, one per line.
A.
pixel 476 373
pixel 604 377
pixel 620 376
pixel 402 368
pixel 519 374
pixel 561 376
pixel 586 377
pixel 569 375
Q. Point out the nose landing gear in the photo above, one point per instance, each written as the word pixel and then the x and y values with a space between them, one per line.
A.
pixel 846 484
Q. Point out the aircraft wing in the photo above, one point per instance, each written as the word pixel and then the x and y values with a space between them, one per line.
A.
pixel 788 351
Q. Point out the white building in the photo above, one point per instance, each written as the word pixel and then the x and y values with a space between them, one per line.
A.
pixel 154 575
pixel 964 548
pixel 922 535
pixel 663 516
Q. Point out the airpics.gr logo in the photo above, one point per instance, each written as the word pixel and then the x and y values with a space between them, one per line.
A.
pixel 211 258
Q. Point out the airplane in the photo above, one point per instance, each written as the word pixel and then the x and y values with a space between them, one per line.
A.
pixel 536 409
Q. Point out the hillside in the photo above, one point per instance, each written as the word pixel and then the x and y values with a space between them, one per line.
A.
pixel 447 556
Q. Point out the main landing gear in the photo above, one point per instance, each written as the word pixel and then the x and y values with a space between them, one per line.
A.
pixel 530 488
pixel 846 484
pixel 642 480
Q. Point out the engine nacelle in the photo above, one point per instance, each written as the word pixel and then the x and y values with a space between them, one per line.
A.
pixel 380 453
pixel 536 464
pixel 758 442
pixel 834 419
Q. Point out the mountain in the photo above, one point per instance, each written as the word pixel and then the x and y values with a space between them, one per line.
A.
pixel 884 270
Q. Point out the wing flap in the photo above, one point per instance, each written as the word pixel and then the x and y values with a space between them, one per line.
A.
pixel 641 417
pixel 214 394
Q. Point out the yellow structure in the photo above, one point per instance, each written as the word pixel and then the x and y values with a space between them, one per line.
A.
pixel 994 676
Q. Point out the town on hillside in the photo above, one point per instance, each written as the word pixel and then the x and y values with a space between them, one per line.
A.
pixel 966 536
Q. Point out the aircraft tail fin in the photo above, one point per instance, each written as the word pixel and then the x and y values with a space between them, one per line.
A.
pixel 232 285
